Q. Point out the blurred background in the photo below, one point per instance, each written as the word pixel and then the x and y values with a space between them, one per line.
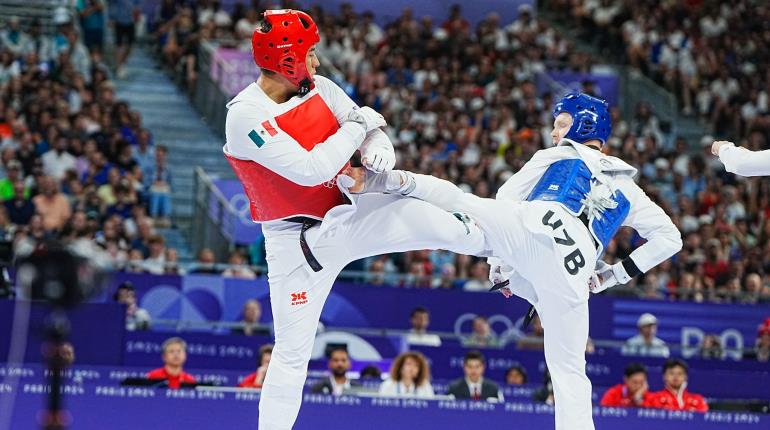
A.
pixel 111 128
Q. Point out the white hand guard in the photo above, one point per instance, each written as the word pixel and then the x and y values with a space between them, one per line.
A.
pixel 607 276
pixel 379 160
pixel 499 273
pixel 369 118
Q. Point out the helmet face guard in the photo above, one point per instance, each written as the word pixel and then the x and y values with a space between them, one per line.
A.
pixel 281 45
pixel 590 117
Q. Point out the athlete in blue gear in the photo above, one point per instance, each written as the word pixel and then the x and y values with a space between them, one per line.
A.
pixel 548 229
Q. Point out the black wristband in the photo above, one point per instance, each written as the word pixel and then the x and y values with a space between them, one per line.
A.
pixel 631 267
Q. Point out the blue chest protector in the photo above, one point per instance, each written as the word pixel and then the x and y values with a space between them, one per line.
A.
pixel 568 182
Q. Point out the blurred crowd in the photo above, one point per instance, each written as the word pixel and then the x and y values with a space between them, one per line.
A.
pixel 717 74
pixel 76 164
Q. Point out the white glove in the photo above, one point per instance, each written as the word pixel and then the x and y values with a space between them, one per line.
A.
pixel 369 118
pixel 607 276
pixel 500 272
pixel 379 160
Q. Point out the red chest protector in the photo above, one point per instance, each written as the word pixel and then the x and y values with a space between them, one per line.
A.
pixel 273 197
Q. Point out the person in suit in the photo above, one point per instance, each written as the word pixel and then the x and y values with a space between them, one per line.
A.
pixel 338 381
pixel 473 386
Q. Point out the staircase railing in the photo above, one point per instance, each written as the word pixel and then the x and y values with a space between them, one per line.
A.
pixel 214 218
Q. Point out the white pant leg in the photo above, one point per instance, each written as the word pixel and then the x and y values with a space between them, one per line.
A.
pixel 562 309
pixel 566 333
pixel 380 224
pixel 295 323
pixel 387 223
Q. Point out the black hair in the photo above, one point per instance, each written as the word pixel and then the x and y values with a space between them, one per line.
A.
pixel 473 355
pixel 675 362
pixel 127 285
pixel 519 368
pixel 633 369
pixel 417 310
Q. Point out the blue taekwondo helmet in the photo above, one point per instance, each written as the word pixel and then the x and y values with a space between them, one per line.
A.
pixel 590 117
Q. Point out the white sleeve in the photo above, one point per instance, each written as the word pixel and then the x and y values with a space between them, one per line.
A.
pixel 743 162
pixel 341 105
pixel 518 186
pixel 652 223
pixel 248 139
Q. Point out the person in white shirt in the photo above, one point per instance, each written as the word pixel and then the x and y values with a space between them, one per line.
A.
pixel 57 160
pixel 646 344
pixel 409 377
pixel 418 335
pixel 742 161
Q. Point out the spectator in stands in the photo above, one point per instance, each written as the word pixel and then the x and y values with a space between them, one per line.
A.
pixel 371 372
pixel 338 381
pixel 13 38
pixel 57 161
pixel 14 174
pixel 418 334
pixel 761 350
pixel 479 277
pixel 474 386
pixel 255 380
pixel 249 324
pixel 535 339
pixel 237 267
pixel 174 357
pixel 91 13
pixel 172 263
pixel 136 317
pixel 674 395
pixel 52 205
pixel 20 208
pixel 409 377
pixel 123 15
pixel 481 336
pixel 206 263
pixel 158 183
pixel 711 347
pixel 155 262
pixel 633 392
pixel 646 344
pixel 516 375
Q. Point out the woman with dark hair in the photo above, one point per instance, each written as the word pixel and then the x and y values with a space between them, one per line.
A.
pixel 409 377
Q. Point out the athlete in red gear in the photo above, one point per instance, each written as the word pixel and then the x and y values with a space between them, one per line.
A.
pixel 674 395
pixel 633 392
pixel 289 135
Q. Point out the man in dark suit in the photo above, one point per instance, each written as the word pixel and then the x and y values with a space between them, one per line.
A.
pixel 473 386
pixel 337 382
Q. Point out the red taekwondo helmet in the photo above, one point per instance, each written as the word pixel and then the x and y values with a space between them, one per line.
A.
pixel 281 43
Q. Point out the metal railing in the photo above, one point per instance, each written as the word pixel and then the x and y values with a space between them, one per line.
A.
pixel 208 98
pixel 214 217
pixel 637 88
